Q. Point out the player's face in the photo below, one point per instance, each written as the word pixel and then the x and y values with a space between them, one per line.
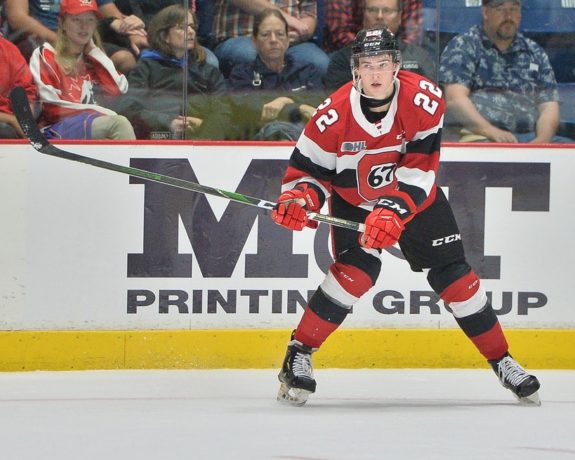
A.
pixel 79 29
pixel 376 74
pixel 379 13
pixel 182 37
pixel 272 40
pixel 502 22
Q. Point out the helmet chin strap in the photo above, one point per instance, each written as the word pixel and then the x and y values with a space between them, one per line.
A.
pixel 371 101
pixel 374 103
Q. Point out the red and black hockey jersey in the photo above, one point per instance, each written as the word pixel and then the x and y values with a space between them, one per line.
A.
pixel 392 163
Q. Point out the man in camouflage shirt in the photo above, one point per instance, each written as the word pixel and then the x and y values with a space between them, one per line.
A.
pixel 499 85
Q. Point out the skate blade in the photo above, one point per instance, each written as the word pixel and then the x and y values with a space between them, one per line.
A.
pixel 292 396
pixel 531 400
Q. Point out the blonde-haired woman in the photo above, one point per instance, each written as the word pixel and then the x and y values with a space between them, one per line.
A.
pixel 70 74
pixel 174 92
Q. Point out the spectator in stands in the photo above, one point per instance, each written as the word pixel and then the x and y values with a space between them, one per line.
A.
pixel 381 13
pixel 14 72
pixel 234 28
pixel 33 22
pixel 275 95
pixel 154 102
pixel 146 10
pixel 344 18
pixel 69 73
pixel 499 85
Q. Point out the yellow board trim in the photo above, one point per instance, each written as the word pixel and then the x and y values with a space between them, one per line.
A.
pixel 260 349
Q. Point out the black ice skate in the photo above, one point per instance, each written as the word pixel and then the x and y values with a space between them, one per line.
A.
pixel 513 377
pixel 296 375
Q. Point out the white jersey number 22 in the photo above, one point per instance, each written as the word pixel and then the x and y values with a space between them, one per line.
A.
pixel 328 118
pixel 424 101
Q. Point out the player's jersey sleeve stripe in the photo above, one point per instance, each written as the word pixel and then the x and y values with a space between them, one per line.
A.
pixel 429 144
pixel 304 163
pixel 433 130
pixel 415 193
pixel 309 180
pixel 346 179
pixel 416 178
pixel 315 153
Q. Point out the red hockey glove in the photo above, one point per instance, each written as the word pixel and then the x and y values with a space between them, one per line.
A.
pixel 382 228
pixel 290 211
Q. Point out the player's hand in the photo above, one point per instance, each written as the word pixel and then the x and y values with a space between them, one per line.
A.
pixel 290 211
pixel 382 229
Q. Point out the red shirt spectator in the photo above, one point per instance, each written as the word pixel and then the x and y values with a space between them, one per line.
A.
pixel 68 73
pixel 14 71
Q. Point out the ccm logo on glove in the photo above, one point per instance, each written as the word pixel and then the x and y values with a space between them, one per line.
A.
pixel 385 203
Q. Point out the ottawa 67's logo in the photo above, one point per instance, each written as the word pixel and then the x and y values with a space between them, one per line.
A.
pixel 373 175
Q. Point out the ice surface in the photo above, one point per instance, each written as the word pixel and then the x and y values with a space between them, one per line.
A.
pixel 233 414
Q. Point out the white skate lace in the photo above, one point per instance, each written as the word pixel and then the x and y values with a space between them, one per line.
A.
pixel 511 372
pixel 302 365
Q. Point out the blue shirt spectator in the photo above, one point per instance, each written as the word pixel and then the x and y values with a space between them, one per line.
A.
pixel 499 84
pixel 274 95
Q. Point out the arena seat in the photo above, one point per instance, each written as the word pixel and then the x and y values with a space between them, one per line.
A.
pixel 443 19
pixel 567 106
pixel 548 16
pixel 551 23
pixel 451 16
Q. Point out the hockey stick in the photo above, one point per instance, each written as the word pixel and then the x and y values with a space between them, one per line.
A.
pixel 21 108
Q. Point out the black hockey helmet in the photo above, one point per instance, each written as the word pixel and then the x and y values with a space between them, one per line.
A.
pixel 374 41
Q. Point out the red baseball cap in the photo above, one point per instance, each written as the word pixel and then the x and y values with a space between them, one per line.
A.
pixel 76 7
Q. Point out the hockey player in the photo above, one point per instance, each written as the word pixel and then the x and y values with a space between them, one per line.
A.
pixel 372 150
